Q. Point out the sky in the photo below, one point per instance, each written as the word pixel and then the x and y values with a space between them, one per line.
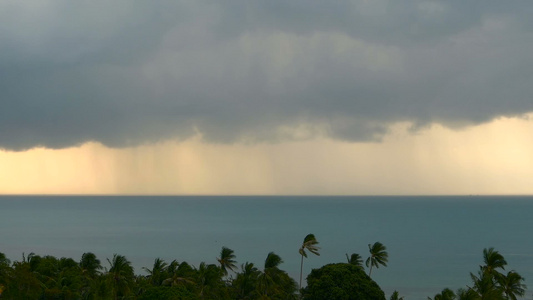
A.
pixel 270 97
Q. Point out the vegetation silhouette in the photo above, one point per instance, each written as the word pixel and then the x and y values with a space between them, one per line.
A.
pixel 47 277
pixel 227 260
pixel 355 259
pixel 489 283
pixel 341 281
pixel 378 256
pixel 310 243
pixel 396 296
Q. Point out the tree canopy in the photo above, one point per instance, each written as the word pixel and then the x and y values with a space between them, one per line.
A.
pixel 341 281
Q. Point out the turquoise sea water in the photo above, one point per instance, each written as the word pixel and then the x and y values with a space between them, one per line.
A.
pixel 433 242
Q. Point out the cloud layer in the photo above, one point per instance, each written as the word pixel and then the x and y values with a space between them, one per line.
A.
pixel 130 73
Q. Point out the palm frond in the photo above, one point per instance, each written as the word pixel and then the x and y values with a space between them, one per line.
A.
pixel 273 260
pixel 310 243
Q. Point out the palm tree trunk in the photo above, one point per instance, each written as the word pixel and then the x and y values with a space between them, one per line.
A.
pixel 370 273
pixel 301 272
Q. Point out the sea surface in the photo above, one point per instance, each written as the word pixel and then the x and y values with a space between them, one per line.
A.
pixel 433 242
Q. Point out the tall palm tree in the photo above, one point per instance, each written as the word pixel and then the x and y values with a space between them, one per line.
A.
pixel 512 285
pixel 310 243
pixel 355 259
pixel 378 256
pixel 226 260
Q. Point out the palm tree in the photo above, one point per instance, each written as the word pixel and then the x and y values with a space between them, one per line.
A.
pixel 493 260
pixel 157 269
pixel 121 275
pixel 512 285
pixel 466 294
pixel 485 286
pixel 4 268
pixel 355 259
pixel 90 265
pixel 245 284
pixel 310 243
pixel 274 282
pixel 226 260
pixel 209 281
pixel 378 256
pixel 179 274
pixel 396 296
pixel 268 277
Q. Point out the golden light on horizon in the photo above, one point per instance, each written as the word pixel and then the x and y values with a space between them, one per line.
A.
pixel 493 158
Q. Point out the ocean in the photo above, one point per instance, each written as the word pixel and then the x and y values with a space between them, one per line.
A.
pixel 433 242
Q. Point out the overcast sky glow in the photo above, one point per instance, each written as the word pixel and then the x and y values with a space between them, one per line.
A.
pixel 262 81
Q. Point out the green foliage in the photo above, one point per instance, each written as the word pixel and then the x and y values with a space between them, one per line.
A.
pixel 90 265
pixel 493 261
pixel 178 274
pixel 273 282
pixel 47 277
pixel 209 283
pixel 485 286
pixel 272 260
pixel 396 296
pixel 4 262
pixel 168 293
pixel 227 260
pixel 157 272
pixel 22 283
pixel 245 284
pixel 355 259
pixel 489 283
pixel 378 256
pixel 120 276
pixel 5 271
pixel 341 281
pixel 310 243
pixel 446 294
pixel 466 294
pixel 512 285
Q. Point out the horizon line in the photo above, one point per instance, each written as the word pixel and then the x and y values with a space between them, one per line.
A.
pixel 270 195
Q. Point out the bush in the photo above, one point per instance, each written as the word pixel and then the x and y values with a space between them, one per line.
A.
pixel 341 282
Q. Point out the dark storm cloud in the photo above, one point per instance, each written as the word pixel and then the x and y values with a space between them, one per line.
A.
pixel 125 74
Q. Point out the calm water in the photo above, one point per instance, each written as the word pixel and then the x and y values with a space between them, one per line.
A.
pixel 433 242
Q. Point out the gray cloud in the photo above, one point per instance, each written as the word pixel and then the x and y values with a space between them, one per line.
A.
pixel 125 74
